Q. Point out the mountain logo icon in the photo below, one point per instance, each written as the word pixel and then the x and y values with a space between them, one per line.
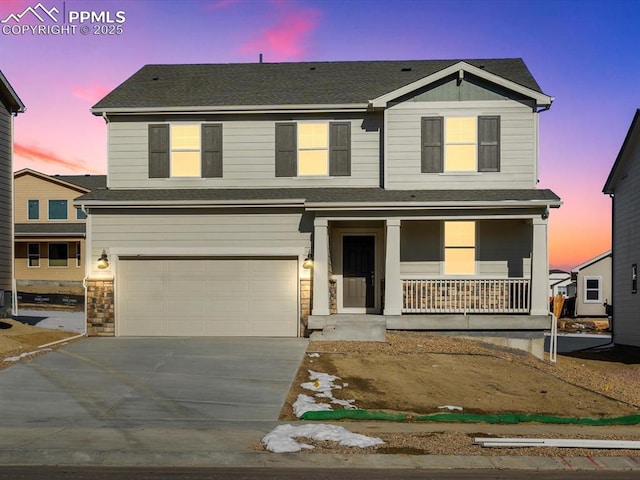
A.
pixel 39 12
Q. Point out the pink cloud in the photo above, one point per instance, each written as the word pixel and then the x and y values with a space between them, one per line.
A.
pixel 42 156
pixel 286 40
pixel 92 93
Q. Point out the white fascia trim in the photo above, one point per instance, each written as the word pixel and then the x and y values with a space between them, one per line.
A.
pixel 298 203
pixel 427 205
pixel 349 107
pixel 207 252
pixel 540 98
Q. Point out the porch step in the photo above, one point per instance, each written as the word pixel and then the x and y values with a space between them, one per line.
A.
pixel 353 328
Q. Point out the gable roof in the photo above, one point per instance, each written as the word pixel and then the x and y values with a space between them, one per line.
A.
pixel 294 85
pixel 591 261
pixel 616 170
pixel 9 97
pixel 80 183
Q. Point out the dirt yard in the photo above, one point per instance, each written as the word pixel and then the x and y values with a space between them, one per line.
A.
pixel 17 338
pixel 416 373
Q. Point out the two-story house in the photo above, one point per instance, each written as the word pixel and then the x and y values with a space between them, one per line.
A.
pixel 623 186
pixel 10 106
pixel 274 199
pixel 49 231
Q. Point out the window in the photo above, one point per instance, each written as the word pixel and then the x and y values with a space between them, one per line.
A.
pixel 58 210
pixel 78 255
pixel 80 215
pixel 33 255
pixel 460 144
pixel 634 278
pixel 313 149
pixel 459 248
pixel 592 289
pixel 33 210
pixel 185 150
pixel 58 254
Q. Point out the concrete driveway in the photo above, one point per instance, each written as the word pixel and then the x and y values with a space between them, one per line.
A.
pixel 151 382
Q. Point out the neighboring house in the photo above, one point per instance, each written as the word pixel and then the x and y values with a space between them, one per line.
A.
pixel 592 281
pixel 411 185
pixel 623 186
pixel 10 106
pixel 559 280
pixel 49 231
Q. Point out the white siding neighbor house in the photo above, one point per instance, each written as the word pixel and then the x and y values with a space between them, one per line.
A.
pixel 623 186
pixel 10 106
pixel 592 280
pixel 280 199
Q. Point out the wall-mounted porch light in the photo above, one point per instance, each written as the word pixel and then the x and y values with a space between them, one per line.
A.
pixel 308 262
pixel 103 261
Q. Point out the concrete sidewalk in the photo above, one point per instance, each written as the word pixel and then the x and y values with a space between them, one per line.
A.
pixel 216 444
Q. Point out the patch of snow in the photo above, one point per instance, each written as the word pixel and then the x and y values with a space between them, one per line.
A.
pixel 305 404
pixel 450 407
pixel 314 355
pixel 282 438
pixel 26 354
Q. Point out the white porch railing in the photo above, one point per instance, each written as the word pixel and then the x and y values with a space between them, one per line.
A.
pixel 465 295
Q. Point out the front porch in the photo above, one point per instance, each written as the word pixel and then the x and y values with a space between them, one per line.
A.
pixel 406 280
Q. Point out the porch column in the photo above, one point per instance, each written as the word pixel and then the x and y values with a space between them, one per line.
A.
pixel 392 285
pixel 539 269
pixel 320 299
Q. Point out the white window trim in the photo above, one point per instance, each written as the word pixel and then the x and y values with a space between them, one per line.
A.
pixel 445 144
pixel 443 250
pixel 171 149
pixel 66 219
pixel 33 219
pixel 298 149
pixel 592 277
pixel 49 255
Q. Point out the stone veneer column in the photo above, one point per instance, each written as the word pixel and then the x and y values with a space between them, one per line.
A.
pixel 392 282
pixel 539 268
pixel 100 308
pixel 320 266
pixel 305 305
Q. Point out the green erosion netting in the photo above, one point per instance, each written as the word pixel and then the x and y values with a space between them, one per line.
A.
pixel 505 418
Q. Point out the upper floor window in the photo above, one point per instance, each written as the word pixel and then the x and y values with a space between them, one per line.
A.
pixel 58 210
pixel 313 149
pixel 460 248
pixel 185 150
pixel 33 210
pixel 460 144
pixel 80 215
pixel 592 287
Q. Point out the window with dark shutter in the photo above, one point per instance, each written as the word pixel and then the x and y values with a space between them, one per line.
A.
pixel 211 150
pixel 159 151
pixel 340 149
pixel 286 150
pixel 432 144
pixel 488 144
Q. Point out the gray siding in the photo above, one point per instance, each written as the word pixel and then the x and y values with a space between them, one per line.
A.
pixel 248 154
pixel 6 211
pixel 503 248
pixel 197 231
pixel 518 146
pixel 626 250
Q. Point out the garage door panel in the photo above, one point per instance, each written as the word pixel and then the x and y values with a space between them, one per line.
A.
pixel 212 297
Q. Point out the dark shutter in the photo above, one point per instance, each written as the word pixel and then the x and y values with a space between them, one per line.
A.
pixel 211 150
pixel 432 144
pixel 488 144
pixel 340 149
pixel 286 150
pixel 159 151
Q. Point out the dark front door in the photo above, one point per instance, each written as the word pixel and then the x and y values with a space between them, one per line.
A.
pixel 358 271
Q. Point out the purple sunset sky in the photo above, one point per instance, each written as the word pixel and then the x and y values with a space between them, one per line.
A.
pixel 585 53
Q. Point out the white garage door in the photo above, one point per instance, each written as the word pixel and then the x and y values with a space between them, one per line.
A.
pixel 207 297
